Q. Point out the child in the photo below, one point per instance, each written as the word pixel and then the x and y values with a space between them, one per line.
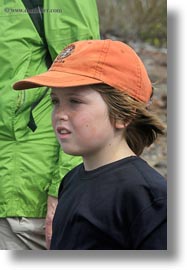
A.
pixel 114 200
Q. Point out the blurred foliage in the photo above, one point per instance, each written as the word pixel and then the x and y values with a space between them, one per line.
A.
pixel 144 20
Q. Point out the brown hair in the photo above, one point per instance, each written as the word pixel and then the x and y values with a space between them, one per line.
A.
pixel 142 126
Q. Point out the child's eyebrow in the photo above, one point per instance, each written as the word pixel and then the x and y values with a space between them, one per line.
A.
pixel 74 93
pixel 70 93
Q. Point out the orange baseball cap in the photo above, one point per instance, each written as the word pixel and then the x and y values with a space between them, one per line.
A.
pixel 93 62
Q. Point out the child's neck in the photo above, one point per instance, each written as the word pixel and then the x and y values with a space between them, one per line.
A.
pixel 107 156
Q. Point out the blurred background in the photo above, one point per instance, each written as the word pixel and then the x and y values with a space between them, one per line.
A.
pixel 143 25
pixel 144 20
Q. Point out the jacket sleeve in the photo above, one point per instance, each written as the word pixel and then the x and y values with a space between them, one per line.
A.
pixel 63 166
pixel 69 21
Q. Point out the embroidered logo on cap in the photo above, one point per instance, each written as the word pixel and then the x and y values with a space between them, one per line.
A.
pixel 65 53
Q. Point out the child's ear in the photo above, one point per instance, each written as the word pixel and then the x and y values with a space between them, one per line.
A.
pixel 119 124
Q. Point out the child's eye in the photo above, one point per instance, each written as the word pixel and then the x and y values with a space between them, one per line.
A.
pixel 76 101
pixel 54 101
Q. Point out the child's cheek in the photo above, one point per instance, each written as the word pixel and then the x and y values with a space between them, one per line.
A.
pixel 87 127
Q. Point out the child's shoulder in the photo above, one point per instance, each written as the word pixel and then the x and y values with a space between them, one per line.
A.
pixel 142 172
pixel 137 169
pixel 138 180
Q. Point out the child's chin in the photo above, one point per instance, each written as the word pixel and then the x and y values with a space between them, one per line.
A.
pixel 71 152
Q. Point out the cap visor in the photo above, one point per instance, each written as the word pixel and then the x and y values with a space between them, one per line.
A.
pixel 54 79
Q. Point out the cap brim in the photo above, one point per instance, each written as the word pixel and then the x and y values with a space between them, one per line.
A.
pixel 54 79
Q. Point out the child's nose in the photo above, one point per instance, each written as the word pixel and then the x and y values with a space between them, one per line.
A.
pixel 61 114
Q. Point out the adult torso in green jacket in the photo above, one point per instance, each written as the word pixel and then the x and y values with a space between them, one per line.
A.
pixel 32 163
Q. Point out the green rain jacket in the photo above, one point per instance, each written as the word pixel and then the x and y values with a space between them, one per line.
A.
pixel 32 163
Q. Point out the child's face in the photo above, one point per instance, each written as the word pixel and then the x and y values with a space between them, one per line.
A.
pixel 81 121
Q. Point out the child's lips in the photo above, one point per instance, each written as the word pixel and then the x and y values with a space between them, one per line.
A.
pixel 62 132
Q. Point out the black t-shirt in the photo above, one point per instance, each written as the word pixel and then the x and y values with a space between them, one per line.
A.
pixel 119 206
